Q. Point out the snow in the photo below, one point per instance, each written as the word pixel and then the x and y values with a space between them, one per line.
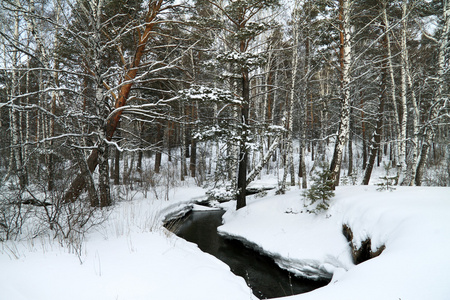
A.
pixel 412 222
pixel 131 256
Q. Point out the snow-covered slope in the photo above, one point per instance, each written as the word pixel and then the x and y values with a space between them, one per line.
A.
pixel 412 222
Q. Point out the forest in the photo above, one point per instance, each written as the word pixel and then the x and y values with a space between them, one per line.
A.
pixel 102 96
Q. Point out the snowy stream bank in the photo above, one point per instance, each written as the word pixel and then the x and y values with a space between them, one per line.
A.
pixel 260 272
pixel 412 222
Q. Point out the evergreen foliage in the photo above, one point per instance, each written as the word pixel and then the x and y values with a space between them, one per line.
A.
pixel 388 180
pixel 321 191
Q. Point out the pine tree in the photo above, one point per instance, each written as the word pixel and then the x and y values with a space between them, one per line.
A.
pixel 388 180
pixel 322 190
pixel 243 22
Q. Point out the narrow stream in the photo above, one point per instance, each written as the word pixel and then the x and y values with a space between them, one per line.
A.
pixel 260 272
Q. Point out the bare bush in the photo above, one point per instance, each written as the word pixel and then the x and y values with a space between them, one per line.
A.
pixel 160 184
pixel 12 215
pixel 437 175
pixel 37 212
pixel 66 222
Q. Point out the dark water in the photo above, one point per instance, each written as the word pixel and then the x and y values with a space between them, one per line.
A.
pixel 260 272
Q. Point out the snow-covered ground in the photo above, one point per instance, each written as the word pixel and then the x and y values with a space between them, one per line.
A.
pixel 412 222
pixel 131 256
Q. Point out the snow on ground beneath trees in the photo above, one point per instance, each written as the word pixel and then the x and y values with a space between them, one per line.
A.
pixel 412 222
pixel 130 256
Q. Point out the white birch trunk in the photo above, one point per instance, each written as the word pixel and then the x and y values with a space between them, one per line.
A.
pixel 439 101
pixel 100 104
pixel 344 122
pixel 294 64
pixel 267 90
pixel 16 147
pixel 257 170
pixel 391 75
pixel 401 163
pixel 409 179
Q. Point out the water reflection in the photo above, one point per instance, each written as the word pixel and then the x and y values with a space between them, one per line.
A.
pixel 265 278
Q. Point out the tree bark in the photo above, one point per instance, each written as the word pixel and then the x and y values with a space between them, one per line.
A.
pixel 159 142
pixel 116 174
pixel 193 157
pixel 350 151
pixel 344 122
pixel 438 101
pixel 290 121
pixel 243 152
pixel 103 180
pixel 401 163
pixel 15 115
pixel 364 142
pixel 392 80
pixel 273 147
pixel 182 146
pixel 79 182
pixel 376 139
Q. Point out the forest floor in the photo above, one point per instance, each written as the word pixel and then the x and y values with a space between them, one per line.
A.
pixel 132 256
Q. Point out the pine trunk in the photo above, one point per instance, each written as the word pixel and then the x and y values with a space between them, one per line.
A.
pixel 79 182
pixel 243 152
pixel 193 157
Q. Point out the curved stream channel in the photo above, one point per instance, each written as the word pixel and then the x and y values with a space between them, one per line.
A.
pixel 260 272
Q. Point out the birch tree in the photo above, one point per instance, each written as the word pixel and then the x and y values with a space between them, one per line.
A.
pixel 345 62
pixel 401 165
pixel 292 98
pixel 440 98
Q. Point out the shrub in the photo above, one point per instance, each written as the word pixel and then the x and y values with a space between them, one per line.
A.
pixel 321 191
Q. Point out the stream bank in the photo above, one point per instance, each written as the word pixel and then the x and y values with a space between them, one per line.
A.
pixel 261 273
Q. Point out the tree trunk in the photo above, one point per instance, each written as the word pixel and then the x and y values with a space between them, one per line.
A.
pixel 439 97
pixel 376 139
pixel 87 175
pixel 345 57
pixel 290 127
pixel 265 159
pixel 158 155
pixel 54 100
pixel 243 152
pixel 392 79
pixel 193 158
pixel 303 174
pixel 421 163
pixel 182 146
pixel 364 142
pixel 402 137
pixel 103 180
pixel 350 154
pixel 79 182
pixel 16 127
pixel 116 174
